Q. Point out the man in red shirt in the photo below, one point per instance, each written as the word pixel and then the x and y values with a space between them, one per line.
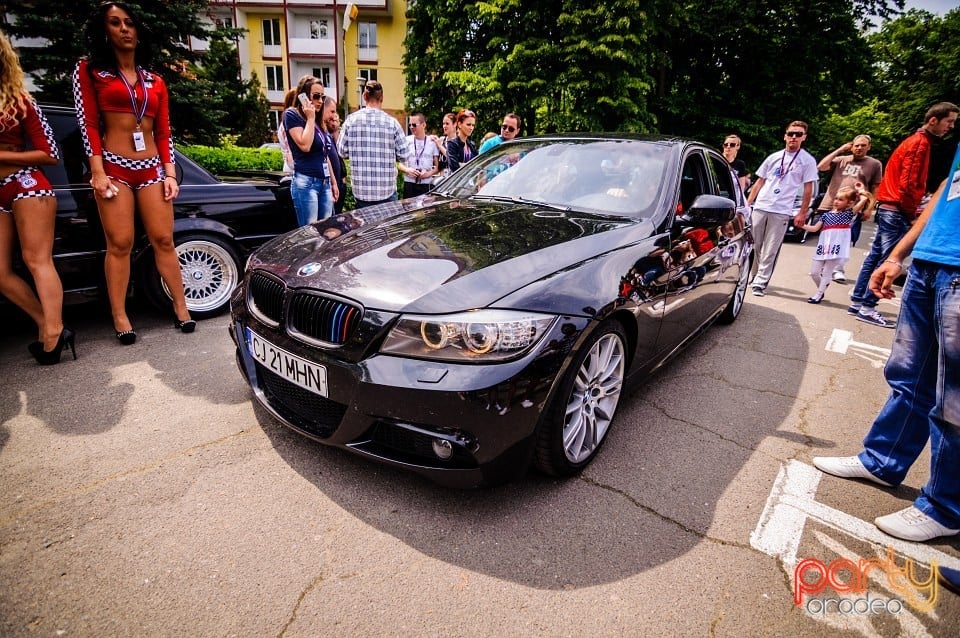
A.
pixel 899 196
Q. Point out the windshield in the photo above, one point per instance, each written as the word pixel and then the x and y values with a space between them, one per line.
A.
pixel 622 177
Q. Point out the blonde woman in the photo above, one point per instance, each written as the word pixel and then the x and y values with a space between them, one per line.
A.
pixel 28 210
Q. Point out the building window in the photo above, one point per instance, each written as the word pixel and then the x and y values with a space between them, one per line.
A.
pixel 367 35
pixel 274 75
pixel 224 23
pixel 318 29
pixel 324 74
pixel 273 117
pixel 271 32
pixel 368 74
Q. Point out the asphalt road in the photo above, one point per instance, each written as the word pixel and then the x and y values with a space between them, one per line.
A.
pixel 143 494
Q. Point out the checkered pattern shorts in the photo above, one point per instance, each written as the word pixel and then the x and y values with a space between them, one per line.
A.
pixel 133 173
pixel 27 182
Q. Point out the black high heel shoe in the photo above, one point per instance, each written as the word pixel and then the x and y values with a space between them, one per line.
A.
pixel 34 347
pixel 186 326
pixel 127 337
pixel 65 339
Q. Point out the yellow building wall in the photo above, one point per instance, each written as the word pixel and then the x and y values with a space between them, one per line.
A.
pixel 255 45
pixel 391 31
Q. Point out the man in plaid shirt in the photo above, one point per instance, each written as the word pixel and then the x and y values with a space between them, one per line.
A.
pixel 373 142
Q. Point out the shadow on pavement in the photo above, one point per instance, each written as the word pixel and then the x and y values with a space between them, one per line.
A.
pixel 649 497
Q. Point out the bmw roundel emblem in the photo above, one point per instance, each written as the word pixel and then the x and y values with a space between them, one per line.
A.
pixel 309 269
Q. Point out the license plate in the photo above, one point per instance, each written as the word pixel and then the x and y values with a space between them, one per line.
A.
pixel 296 370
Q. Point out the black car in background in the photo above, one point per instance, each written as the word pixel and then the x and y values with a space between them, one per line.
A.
pixel 494 322
pixel 217 223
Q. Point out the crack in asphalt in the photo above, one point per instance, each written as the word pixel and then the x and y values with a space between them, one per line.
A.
pixel 664 517
pixel 296 606
pixel 121 475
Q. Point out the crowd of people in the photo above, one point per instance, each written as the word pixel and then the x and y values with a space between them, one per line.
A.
pixel 922 370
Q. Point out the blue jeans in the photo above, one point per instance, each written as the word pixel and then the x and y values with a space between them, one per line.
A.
pixel 923 372
pixel 363 203
pixel 312 198
pixel 891 227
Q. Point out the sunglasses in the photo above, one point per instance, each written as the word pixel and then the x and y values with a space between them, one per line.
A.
pixel 414 125
pixel 317 96
pixel 508 128
pixel 795 133
pixel 730 144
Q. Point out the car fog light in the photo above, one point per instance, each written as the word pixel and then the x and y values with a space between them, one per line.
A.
pixel 443 449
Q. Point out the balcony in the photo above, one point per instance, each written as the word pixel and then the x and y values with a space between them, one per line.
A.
pixel 272 51
pixel 367 54
pixel 312 46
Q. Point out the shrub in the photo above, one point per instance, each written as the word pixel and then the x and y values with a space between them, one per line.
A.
pixel 234 158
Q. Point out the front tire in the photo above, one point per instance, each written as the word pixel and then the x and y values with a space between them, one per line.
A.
pixel 210 269
pixel 579 417
pixel 732 311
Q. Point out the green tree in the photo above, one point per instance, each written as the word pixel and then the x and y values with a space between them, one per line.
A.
pixel 570 65
pixel 916 65
pixel 233 104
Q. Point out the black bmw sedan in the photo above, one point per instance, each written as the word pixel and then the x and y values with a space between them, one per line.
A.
pixel 494 322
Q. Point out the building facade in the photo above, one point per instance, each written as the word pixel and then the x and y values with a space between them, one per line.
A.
pixel 287 39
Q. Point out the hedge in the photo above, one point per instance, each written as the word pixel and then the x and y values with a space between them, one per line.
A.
pixel 219 160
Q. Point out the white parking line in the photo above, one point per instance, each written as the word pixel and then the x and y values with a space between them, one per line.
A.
pixel 791 503
pixel 841 342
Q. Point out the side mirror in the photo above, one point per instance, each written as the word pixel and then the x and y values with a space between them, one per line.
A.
pixel 709 210
pixel 179 171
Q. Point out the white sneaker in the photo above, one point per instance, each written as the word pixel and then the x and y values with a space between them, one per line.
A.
pixel 846 467
pixel 913 525
pixel 839 277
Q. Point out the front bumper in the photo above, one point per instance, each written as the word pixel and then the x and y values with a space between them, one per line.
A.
pixel 411 413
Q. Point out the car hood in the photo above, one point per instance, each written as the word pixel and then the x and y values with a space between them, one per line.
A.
pixel 446 256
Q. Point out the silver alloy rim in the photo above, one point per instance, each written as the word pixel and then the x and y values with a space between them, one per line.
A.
pixel 209 275
pixel 593 401
pixel 741 292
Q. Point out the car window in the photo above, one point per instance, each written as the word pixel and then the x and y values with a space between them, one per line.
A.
pixel 723 177
pixel 693 181
pixel 607 176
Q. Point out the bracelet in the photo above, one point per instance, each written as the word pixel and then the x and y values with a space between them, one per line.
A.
pixel 893 261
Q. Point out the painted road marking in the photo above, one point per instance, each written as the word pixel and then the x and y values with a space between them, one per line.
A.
pixel 791 503
pixel 841 342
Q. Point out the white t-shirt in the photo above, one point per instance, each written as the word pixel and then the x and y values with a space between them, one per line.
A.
pixel 421 156
pixel 783 173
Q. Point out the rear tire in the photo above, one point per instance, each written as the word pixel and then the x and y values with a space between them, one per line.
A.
pixel 578 419
pixel 210 268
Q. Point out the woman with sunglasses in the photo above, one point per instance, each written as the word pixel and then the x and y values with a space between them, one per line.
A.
pixel 124 117
pixel 461 149
pixel 314 186
pixel 28 210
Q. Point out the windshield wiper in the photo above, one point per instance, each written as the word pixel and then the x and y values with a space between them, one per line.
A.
pixel 520 200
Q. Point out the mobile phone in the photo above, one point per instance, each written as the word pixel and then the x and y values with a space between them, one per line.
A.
pixel 304 100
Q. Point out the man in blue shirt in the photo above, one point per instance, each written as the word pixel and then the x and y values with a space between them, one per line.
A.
pixel 508 130
pixel 923 372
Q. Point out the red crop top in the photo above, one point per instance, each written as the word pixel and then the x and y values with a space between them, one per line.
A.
pixel 96 90
pixel 30 127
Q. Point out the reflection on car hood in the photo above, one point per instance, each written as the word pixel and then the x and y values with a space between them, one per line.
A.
pixel 449 256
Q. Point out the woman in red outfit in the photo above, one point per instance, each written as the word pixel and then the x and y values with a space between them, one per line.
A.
pixel 125 124
pixel 28 210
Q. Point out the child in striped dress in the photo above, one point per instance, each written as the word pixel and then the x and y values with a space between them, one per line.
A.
pixel 833 248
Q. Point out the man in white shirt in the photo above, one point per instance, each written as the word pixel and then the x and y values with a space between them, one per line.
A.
pixel 424 159
pixel 772 196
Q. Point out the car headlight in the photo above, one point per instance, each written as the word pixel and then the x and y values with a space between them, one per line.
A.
pixel 478 336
